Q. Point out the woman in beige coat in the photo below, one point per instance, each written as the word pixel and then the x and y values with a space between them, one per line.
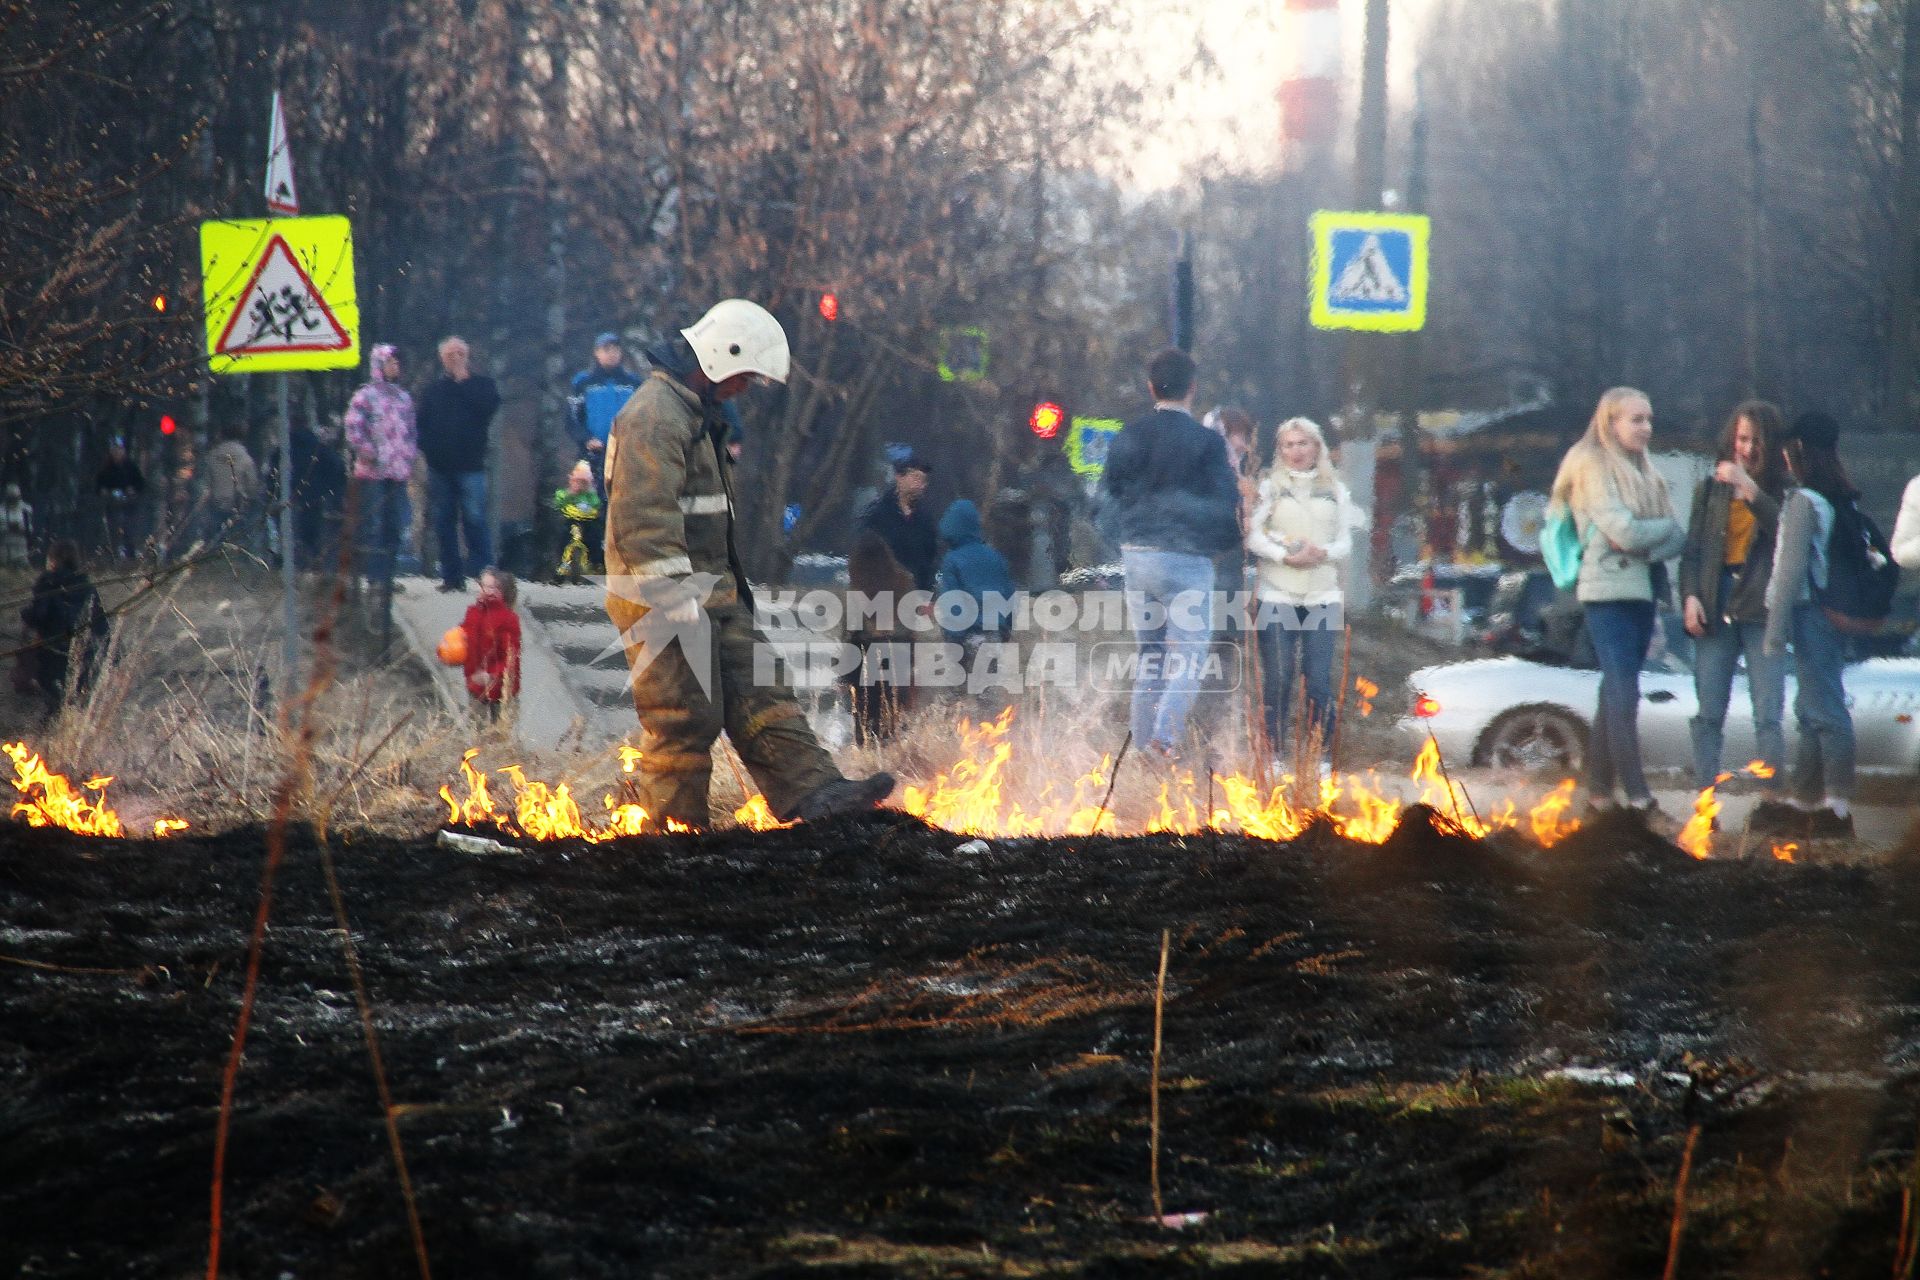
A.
pixel 1301 533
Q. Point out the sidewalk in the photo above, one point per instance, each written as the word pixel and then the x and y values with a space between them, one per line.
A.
pixel 550 713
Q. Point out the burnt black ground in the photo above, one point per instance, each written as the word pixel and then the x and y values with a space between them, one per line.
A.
pixel 853 1051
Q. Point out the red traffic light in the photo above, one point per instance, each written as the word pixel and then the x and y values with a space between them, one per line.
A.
pixel 167 425
pixel 829 307
pixel 1047 419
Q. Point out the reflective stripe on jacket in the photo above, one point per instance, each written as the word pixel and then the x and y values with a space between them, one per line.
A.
pixel 667 510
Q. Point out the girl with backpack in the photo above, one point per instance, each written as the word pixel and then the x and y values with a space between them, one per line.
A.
pixel 1803 570
pixel 1724 572
pixel 1626 525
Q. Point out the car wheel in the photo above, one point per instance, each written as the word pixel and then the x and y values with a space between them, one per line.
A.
pixel 1534 738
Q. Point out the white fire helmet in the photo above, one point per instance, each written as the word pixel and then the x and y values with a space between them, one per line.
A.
pixel 737 336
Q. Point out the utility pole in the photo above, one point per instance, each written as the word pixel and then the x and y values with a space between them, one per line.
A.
pixel 1906 229
pixel 1360 363
pixel 1756 243
pixel 1409 369
pixel 1370 142
pixel 1369 180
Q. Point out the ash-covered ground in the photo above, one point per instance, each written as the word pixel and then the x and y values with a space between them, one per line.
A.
pixel 859 1051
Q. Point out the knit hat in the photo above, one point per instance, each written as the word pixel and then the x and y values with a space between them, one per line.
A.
pixel 607 339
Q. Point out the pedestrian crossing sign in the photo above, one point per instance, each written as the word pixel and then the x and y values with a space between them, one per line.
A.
pixel 279 294
pixel 1369 271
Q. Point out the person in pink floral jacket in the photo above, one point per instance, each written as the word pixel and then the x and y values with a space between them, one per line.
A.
pixel 380 432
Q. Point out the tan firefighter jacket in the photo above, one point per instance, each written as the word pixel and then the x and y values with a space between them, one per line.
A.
pixel 668 514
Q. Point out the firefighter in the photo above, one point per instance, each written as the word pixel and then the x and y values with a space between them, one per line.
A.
pixel 676 592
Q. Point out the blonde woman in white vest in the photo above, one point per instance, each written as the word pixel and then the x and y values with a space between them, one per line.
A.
pixel 1301 533
pixel 1628 531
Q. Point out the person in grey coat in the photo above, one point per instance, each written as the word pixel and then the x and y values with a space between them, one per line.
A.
pixel 1628 530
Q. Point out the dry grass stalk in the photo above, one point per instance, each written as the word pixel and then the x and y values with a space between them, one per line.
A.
pixel 1679 1228
pixel 1153 1092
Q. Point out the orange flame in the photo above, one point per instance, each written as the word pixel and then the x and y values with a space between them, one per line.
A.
pixel 1697 836
pixel 1759 769
pixel 543 812
pixel 1785 852
pixel 1548 820
pixel 1367 690
pixel 757 815
pixel 51 801
pixel 978 796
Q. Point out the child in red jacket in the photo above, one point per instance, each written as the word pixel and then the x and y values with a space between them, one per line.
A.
pixel 493 643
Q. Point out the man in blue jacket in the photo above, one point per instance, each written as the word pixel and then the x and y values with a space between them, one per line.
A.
pixel 1169 501
pixel 594 396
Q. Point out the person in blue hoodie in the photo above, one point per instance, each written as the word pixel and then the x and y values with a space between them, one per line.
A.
pixel 975 587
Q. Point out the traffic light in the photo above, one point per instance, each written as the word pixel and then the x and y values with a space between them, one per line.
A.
pixel 1047 419
pixel 829 307
pixel 167 425
pixel 160 303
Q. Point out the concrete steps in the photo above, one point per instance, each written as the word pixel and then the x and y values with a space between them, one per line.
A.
pixel 573 672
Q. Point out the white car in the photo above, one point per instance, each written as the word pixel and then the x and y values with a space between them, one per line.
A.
pixel 1517 713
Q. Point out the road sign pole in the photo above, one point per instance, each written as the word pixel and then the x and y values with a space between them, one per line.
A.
pixel 290 606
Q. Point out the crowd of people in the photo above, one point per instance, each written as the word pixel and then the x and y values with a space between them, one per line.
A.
pixel 1777 554
pixel 1776 564
pixel 1188 508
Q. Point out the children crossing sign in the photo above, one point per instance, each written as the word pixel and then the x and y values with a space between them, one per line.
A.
pixel 279 294
pixel 1369 271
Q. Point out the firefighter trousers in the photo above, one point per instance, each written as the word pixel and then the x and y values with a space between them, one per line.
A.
pixel 680 720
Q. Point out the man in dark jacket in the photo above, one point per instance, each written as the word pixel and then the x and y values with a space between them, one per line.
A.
pixel 119 484
pixel 453 418
pixel 903 521
pixel 1169 500
pixel 67 626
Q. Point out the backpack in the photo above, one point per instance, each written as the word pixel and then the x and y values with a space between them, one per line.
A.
pixel 1560 547
pixel 1861 574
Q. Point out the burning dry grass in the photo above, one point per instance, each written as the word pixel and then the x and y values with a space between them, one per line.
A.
pixel 184 712
pixel 48 799
pixel 538 811
pixel 1022 778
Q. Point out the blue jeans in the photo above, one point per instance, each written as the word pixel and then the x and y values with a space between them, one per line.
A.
pixel 1621 631
pixel 1823 747
pixel 1179 588
pixel 384 521
pixel 458 501
pixel 1714 657
pixel 1297 644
